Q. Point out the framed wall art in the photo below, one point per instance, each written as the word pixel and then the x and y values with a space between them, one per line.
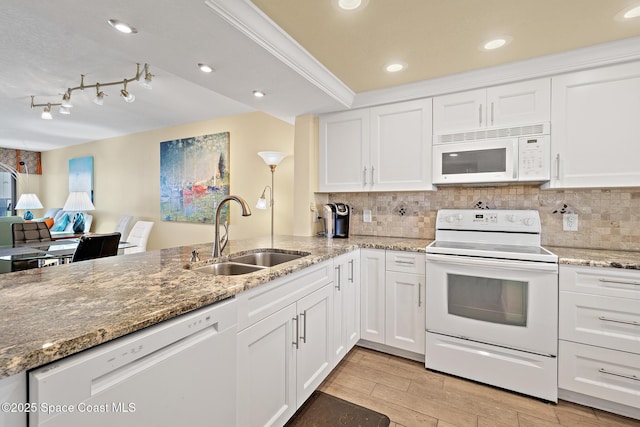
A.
pixel 194 177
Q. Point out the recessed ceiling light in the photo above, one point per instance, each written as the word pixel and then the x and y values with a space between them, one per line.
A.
pixel 496 43
pixel 258 94
pixel 628 13
pixel 395 67
pixel 350 5
pixel 205 68
pixel 123 27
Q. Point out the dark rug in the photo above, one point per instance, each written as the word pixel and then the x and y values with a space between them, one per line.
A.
pixel 324 410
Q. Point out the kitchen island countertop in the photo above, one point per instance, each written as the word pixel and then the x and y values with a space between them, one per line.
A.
pixel 53 312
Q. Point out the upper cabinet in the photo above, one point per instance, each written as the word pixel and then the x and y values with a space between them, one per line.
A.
pixel 386 148
pixel 521 103
pixel 595 127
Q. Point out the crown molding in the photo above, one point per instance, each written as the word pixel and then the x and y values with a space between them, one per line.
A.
pixel 599 55
pixel 252 22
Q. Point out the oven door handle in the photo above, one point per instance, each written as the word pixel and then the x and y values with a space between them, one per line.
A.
pixel 492 262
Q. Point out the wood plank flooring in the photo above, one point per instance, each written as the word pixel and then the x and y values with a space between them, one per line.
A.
pixel 411 396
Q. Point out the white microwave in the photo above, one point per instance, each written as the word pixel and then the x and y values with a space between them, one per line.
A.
pixel 492 161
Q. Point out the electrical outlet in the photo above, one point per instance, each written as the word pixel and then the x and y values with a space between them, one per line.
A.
pixel 366 215
pixel 570 222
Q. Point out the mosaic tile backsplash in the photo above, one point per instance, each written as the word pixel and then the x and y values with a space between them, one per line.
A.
pixel 607 218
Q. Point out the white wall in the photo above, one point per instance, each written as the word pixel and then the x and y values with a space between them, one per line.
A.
pixel 127 178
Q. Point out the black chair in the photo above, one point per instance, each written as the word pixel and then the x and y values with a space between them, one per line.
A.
pixel 96 246
pixel 30 232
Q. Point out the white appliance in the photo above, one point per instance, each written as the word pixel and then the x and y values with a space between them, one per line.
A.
pixel 492 301
pixel 176 372
pixel 520 154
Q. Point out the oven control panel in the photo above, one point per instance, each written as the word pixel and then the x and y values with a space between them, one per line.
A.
pixel 491 220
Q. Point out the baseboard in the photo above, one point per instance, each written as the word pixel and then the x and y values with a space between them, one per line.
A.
pixel 391 350
pixel 604 405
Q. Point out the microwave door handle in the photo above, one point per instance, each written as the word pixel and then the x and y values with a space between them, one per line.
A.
pixel 515 164
pixel 480 115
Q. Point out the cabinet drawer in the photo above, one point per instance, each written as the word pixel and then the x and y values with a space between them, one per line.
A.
pixel 614 282
pixel 405 262
pixel 603 321
pixel 598 372
pixel 262 301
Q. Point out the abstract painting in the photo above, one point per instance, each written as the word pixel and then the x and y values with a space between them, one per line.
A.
pixel 81 175
pixel 194 177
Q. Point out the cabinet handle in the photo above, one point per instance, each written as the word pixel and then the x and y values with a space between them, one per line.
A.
pixel 630 377
pixel 419 294
pixel 620 282
pixel 338 281
pixel 303 337
pixel 296 342
pixel 480 115
pixel 351 270
pixel 558 166
pixel 626 322
pixel 399 261
pixel 492 114
pixel 364 176
pixel 372 181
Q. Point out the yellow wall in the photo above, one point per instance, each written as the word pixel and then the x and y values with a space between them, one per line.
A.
pixel 127 178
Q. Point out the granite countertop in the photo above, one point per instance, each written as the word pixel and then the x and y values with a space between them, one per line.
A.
pixel 53 312
pixel 597 257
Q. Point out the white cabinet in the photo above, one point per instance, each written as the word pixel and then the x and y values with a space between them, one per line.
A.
pixel 405 309
pixel 372 291
pixel 346 304
pixel 522 103
pixel 13 391
pixel 595 127
pixel 384 148
pixel 285 348
pixel 599 347
pixel 393 289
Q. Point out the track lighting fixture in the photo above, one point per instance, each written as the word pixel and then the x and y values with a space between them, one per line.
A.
pixel 143 77
pixel 128 97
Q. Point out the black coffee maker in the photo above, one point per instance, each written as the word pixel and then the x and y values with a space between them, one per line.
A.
pixel 336 220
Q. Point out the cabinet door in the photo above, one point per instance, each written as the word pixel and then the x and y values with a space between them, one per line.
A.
pixel 344 151
pixel 523 103
pixel 351 298
pixel 314 359
pixel 595 125
pixel 459 111
pixel 401 146
pixel 372 290
pixel 267 370
pixel 405 320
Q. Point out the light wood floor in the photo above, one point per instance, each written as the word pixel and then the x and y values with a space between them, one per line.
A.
pixel 411 396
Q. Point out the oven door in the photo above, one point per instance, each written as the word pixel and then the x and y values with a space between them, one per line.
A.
pixel 476 162
pixel 508 303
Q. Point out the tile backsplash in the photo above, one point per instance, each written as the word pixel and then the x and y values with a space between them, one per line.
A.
pixel 607 218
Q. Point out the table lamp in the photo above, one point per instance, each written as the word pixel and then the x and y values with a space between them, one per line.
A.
pixel 78 201
pixel 28 201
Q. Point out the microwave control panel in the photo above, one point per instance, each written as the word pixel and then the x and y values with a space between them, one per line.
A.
pixel 533 158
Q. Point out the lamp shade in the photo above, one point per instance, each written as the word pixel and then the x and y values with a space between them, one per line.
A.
pixel 272 158
pixel 78 201
pixel 28 201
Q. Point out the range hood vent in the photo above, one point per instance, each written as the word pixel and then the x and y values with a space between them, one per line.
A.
pixel 478 135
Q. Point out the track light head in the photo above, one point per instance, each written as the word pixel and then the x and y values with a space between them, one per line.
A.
pixel 66 100
pixel 46 113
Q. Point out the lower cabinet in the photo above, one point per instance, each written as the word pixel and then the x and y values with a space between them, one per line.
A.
pixel 599 347
pixel 392 295
pixel 346 304
pixel 284 356
pixel 13 392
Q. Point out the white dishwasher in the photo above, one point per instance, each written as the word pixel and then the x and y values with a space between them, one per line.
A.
pixel 178 372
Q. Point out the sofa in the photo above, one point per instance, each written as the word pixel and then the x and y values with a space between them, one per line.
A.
pixel 68 227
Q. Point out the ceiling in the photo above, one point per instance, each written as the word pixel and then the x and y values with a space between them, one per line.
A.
pixel 322 60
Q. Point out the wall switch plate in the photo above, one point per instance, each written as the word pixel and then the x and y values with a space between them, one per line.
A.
pixel 570 222
pixel 366 215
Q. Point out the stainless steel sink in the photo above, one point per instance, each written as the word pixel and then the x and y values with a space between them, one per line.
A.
pixel 228 268
pixel 268 258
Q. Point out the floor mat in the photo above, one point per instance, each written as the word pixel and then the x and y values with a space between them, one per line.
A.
pixel 324 410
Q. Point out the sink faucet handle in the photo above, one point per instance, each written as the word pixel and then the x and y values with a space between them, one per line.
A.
pixel 194 256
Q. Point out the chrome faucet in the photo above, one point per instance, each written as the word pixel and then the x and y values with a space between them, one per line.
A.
pixel 217 246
